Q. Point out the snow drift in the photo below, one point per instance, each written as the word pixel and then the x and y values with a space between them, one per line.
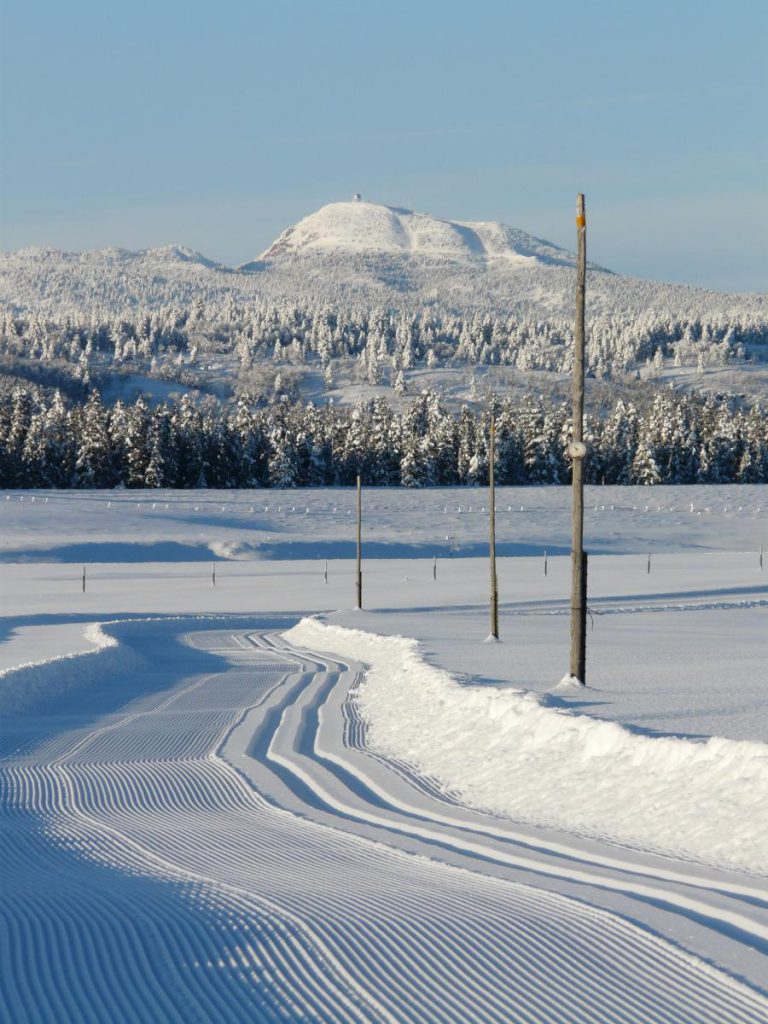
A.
pixel 28 687
pixel 507 752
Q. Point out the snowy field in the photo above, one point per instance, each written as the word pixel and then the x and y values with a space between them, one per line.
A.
pixel 227 795
pixel 163 526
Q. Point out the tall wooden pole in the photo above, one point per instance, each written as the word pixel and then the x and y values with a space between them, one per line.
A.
pixel 577 450
pixel 492 500
pixel 359 543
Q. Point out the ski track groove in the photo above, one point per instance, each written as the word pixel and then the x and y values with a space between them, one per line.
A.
pixel 200 856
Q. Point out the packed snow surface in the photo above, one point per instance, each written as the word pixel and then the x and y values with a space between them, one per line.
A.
pixel 209 811
pixel 215 814
pixel 503 750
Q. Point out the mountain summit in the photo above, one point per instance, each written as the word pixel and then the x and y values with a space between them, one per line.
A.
pixel 359 227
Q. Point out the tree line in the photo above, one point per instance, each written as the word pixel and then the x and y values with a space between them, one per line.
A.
pixel 677 440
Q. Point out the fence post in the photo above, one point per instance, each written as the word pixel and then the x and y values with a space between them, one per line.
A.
pixel 359 544
pixel 492 544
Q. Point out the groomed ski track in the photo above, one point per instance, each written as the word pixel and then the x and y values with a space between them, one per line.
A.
pixel 220 845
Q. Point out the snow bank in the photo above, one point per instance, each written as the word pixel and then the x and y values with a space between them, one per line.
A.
pixel 505 751
pixel 31 685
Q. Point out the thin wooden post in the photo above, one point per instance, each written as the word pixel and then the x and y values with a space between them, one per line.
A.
pixel 648 566
pixel 492 546
pixel 359 543
pixel 326 572
pixel 545 563
pixel 577 450
pixel 213 575
pixel 584 576
pixel 434 567
pixel 83 579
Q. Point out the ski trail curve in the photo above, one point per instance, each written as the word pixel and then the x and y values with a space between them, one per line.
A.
pixel 225 848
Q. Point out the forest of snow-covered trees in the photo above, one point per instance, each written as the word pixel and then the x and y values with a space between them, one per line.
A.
pixel 182 445
pixel 174 344
pixel 258 434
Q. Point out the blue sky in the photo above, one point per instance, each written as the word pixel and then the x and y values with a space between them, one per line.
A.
pixel 217 125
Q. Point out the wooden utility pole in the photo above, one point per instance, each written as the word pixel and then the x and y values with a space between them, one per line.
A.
pixel 492 551
pixel 359 544
pixel 577 451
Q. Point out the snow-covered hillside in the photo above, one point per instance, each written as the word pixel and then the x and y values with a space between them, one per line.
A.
pixel 356 256
pixel 353 298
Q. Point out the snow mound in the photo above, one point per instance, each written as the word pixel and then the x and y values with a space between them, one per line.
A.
pixel 506 752
pixel 374 228
pixel 569 682
pixel 31 686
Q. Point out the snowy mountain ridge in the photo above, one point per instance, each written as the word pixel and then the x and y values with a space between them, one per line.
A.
pixel 164 254
pixel 353 256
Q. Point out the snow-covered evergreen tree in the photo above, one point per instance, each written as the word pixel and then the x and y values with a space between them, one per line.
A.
pixel 93 464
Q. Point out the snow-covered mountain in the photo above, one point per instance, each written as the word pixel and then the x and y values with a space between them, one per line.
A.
pixel 354 256
pixel 359 227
